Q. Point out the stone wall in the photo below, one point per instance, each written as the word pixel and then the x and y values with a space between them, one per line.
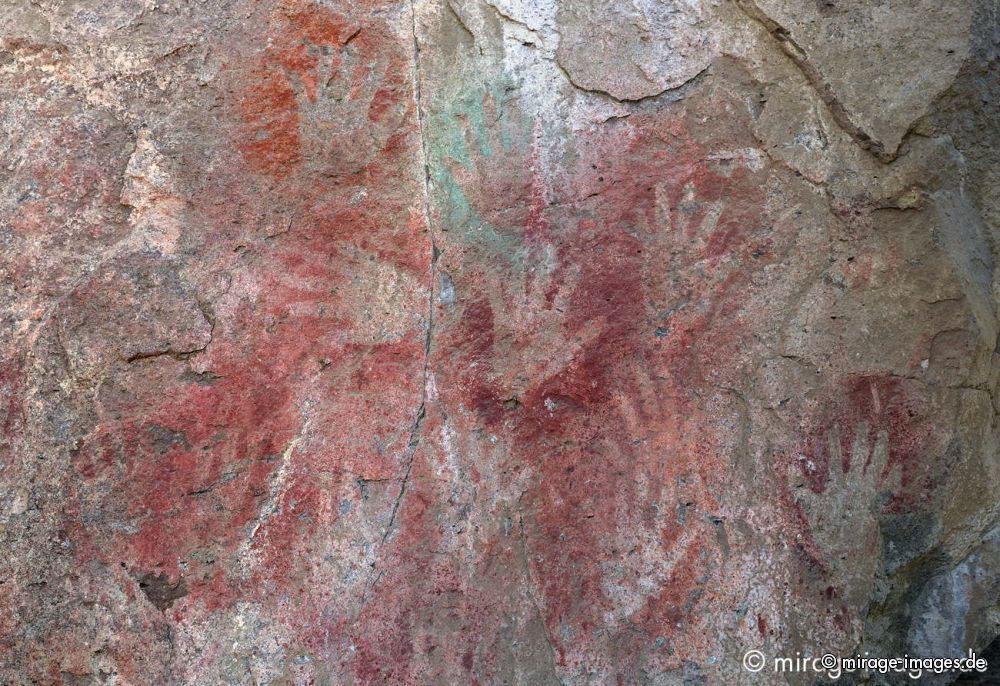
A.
pixel 496 341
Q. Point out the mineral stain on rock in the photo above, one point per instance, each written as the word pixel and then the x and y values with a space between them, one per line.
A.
pixel 495 341
pixel 160 591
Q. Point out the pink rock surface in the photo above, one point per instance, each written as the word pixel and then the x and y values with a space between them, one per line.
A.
pixel 508 342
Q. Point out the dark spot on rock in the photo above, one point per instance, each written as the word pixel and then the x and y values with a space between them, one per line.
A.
pixel 907 536
pixel 163 438
pixel 827 7
pixel 200 378
pixel 992 674
pixel 160 591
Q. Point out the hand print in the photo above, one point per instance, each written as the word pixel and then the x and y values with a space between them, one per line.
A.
pixel 349 100
pixel 325 96
pixel 843 517
pixel 500 176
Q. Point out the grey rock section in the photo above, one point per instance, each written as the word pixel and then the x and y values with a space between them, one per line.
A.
pixel 881 64
pixel 632 50
pixel 953 605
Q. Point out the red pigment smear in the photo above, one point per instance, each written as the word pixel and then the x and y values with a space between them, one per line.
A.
pixel 887 404
pixel 194 498
pixel 617 425
pixel 427 618
pixel 11 409
pixel 271 135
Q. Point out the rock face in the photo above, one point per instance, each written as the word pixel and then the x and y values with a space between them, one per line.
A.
pixel 496 341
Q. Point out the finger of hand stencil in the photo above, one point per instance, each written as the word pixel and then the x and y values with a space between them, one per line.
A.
pixel 363 78
pixel 880 457
pixel 835 458
pixel 325 65
pixel 796 480
pixel 471 142
pixel 859 451
pixel 491 121
pixel 295 82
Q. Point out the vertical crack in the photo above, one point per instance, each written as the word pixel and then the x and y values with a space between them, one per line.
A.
pixel 415 430
pixel 414 440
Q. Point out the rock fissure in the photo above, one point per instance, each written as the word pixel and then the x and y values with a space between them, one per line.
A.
pixel 822 89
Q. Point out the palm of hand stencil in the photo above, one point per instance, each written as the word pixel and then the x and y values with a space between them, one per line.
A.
pixel 496 172
pixel 348 106
pixel 843 517
pixel 500 179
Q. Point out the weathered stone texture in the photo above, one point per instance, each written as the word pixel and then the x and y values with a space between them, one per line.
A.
pixel 495 341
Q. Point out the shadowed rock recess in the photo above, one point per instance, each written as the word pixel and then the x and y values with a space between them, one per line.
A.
pixel 497 342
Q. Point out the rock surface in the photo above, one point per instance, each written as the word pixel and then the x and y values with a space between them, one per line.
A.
pixel 496 341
